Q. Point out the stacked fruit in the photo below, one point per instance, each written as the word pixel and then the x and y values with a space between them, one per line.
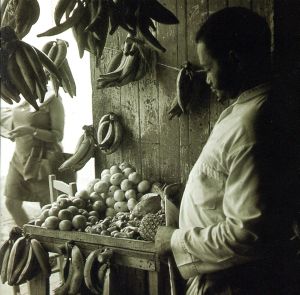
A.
pixel 128 65
pixel 57 52
pixel 22 258
pixel 22 70
pixel 112 205
pixel 20 15
pixel 110 133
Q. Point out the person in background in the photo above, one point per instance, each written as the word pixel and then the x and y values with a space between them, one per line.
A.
pixel 234 216
pixel 37 134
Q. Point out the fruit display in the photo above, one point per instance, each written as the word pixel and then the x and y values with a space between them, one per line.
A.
pixel 20 15
pixel 92 20
pixel 22 258
pixel 84 151
pixel 128 65
pixel 23 70
pixel 119 204
pixel 109 133
pixel 57 52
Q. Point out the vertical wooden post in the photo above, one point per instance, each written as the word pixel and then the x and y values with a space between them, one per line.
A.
pixel 39 285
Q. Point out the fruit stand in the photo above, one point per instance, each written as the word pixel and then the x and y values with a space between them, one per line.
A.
pixel 141 119
pixel 129 253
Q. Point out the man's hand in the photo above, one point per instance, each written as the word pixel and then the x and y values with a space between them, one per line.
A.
pixel 21 131
pixel 163 241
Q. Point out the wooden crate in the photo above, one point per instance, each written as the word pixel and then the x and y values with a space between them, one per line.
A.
pixel 135 264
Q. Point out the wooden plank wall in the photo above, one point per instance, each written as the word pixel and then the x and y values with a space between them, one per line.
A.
pixel 161 149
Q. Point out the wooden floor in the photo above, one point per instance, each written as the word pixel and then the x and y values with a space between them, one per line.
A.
pixel 6 223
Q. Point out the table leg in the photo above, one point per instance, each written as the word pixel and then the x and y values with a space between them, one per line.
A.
pixel 39 285
pixel 155 287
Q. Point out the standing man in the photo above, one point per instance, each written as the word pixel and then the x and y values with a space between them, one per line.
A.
pixel 231 222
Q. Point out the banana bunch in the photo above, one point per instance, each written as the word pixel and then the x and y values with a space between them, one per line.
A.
pixel 23 70
pixel 92 20
pixel 22 258
pixel 57 52
pixel 73 271
pixel 109 133
pixel 20 15
pixel 137 17
pixel 128 65
pixel 89 21
pixel 84 151
pixel 184 84
pixel 96 270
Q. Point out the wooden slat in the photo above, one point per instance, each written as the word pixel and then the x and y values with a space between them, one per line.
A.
pixel 149 124
pixel 185 165
pixel 241 3
pixel 169 130
pixel 199 118
pixel 216 107
pixel 143 246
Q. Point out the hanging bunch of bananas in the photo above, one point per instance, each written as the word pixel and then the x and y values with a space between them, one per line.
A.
pixel 22 258
pixel 73 271
pixel 89 21
pixel 92 20
pixel 127 65
pixel 57 52
pixel 20 15
pixel 183 90
pixel 84 150
pixel 23 70
pixel 137 17
pixel 110 133
pixel 97 271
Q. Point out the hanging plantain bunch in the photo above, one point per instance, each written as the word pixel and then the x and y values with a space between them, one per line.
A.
pixel 92 20
pixel 20 15
pixel 57 52
pixel 23 69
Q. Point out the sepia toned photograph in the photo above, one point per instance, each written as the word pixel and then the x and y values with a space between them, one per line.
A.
pixel 150 147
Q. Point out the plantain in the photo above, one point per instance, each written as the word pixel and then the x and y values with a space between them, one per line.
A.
pixel 18 81
pixel 26 70
pixel 16 253
pixel 60 9
pixel 47 46
pixel 78 269
pixel 184 85
pixel 66 71
pixel 48 63
pixel 5 261
pixel 3 249
pixel 106 142
pixel 118 134
pixel 115 61
pixel 30 268
pixel 13 277
pixel 36 65
pixel 84 146
pixel 62 48
pixel 42 256
pixel 91 266
pixel 70 22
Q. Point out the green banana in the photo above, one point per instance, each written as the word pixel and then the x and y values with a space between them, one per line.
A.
pixel 78 269
pixel 60 9
pixel 70 22
pixel 18 81
pixel 5 260
pixel 42 257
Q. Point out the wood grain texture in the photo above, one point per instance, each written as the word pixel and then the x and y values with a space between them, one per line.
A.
pixel 161 149
pixel 197 12
pixel 169 155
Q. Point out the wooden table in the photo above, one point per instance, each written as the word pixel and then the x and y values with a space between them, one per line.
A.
pixel 136 264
